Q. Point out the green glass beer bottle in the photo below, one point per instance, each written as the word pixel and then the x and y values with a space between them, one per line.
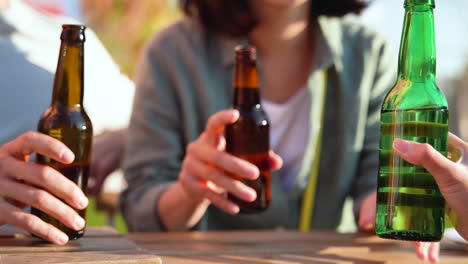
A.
pixel 66 119
pixel 409 203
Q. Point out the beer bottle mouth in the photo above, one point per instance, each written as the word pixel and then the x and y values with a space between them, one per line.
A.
pixel 246 51
pixel 73 33
pixel 413 3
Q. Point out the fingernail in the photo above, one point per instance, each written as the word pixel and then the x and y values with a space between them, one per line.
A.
pixel 425 255
pixel 83 203
pixel 79 223
pixel 252 172
pixel 234 209
pixel 458 154
pixel 236 115
pixel 250 195
pixel 366 225
pixel 62 238
pixel 68 156
pixel 369 226
pixel 401 145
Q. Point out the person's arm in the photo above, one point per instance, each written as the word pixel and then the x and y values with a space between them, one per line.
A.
pixel 155 150
pixel 451 177
pixel 154 143
pixel 23 184
pixel 204 177
pixel 172 178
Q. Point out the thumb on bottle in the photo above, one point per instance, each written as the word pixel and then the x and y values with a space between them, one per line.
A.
pixel 423 154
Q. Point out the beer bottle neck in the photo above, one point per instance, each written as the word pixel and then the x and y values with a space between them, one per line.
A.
pixel 246 84
pixel 68 84
pixel 246 98
pixel 417 58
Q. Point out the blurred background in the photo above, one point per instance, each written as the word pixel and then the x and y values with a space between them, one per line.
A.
pixel 124 26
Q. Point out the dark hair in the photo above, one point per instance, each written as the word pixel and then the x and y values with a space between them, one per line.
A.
pixel 234 17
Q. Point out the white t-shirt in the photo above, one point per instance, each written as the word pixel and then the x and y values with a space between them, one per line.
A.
pixel 289 132
pixel 29 48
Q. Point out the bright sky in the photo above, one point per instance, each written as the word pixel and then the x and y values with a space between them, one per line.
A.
pixel 451 22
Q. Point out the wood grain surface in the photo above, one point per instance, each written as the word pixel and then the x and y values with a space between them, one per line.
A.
pixel 105 246
pixel 99 245
pixel 284 247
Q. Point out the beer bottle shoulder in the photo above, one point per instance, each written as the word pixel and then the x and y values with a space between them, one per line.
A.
pixel 407 94
pixel 54 118
pixel 253 115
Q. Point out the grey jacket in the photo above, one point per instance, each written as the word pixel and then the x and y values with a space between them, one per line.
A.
pixel 185 76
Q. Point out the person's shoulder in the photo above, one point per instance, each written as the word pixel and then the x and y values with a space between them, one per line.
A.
pixel 355 29
pixel 353 33
pixel 185 33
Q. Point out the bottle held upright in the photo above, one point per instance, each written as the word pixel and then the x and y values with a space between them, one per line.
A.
pixel 66 119
pixel 409 203
pixel 248 138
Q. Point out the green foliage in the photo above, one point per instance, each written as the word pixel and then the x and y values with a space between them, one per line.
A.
pixel 124 26
pixel 99 218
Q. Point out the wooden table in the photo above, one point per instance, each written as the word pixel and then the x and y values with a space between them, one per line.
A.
pixel 98 246
pixel 284 247
pixel 105 246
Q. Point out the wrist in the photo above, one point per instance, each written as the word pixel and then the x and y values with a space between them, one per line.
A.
pixel 178 210
pixel 186 196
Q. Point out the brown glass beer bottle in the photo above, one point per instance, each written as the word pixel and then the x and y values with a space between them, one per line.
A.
pixel 66 119
pixel 248 138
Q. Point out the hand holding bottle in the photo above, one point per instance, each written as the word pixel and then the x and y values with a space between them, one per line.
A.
pixel 206 164
pixel 203 179
pixel 66 120
pixel 450 176
pixel 409 204
pixel 40 186
pixel 249 137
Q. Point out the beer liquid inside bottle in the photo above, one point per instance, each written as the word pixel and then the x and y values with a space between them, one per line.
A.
pixel 66 119
pixel 248 138
pixel 409 203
